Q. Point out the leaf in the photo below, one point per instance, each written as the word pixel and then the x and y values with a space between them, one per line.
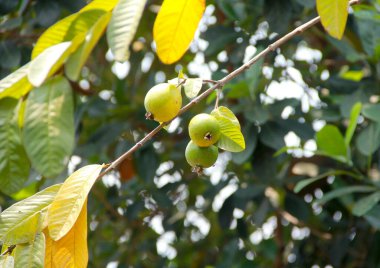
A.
pixel 49 126
pixel 330 141
pixel 15 84
pixel 14 164
pixel 355 112
pixel 31 255
pixel 231 138
pixel 175 27
pixel 54 35
pixel 17 222
pixel 372 111
pixel 123 25
pixel 71 250
pixel 76 60
pixel 366 204
pixel 302 184
pixel 192 87
pixel 47 63
pixel 7 261
pixel 368 141
pixel 64 30
pixel 333 16
pixel 344 191
pixel 70 199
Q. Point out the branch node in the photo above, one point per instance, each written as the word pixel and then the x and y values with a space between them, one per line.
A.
pixel 149 116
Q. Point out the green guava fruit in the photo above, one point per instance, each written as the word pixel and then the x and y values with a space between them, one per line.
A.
pixel 204 130
pixel 203 157
pixel 163 102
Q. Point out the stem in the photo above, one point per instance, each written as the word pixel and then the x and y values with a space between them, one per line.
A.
pixel 218 84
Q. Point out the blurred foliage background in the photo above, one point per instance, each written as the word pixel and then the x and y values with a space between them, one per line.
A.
pixel 243 212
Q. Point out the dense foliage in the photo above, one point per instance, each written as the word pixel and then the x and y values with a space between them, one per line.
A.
pixel 309 110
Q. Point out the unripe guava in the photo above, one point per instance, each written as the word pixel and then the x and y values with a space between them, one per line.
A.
pixel 203 157
pixel 163 102
pixel 204 130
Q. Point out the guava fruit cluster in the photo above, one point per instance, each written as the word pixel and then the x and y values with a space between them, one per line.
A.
pixel 204 132
pixel 163 102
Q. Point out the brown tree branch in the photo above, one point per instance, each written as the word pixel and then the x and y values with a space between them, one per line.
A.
pixel 218 84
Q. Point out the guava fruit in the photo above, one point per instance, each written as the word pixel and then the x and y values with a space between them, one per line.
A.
pixel 163 102
pixel 204 130
pixel 202 157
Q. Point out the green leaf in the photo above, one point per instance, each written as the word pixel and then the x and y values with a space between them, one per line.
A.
pixel 70 199
pixel 49 126
pixel 18 223
pixel 231 138
pixel 368 141
pixel 333 16
pixel 303 183
pixel 48 62
pixel 16 84
pixel 14 164
pixel 330 142
pixel 76 61
pixel 355 112
pixel 344 191
pixel 192 87
pixel 372 111
pixel 365 204
pixel 123 25
pixel 7 261
pixel 31 255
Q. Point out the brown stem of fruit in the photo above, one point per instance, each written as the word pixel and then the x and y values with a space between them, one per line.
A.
pixel 218 84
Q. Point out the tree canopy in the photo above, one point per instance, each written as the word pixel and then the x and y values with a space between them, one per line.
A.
pixel 87 180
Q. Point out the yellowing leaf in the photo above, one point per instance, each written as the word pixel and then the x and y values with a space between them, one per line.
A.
pixel 71 250
pixel 333 15
pixel 232 139
pixel 20 222
pixel 48 62
pixel 75 25
pixel 76 60
pixel 123 25
pixel 16 84
pixel 69 201
pixel 31 255
pixel 106 5
pixel 175 27
pixel 54 35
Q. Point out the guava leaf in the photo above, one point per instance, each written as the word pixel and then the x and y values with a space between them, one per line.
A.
pixel 231 138
pixel 192 87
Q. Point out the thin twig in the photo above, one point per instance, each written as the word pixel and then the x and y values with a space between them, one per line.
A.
pixel 209 81
pixel 9 250
pixel 218 84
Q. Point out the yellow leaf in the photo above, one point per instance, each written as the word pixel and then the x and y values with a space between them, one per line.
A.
pixel 333 16
pixel 175 27
pixel 66 206
pixel 71 250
